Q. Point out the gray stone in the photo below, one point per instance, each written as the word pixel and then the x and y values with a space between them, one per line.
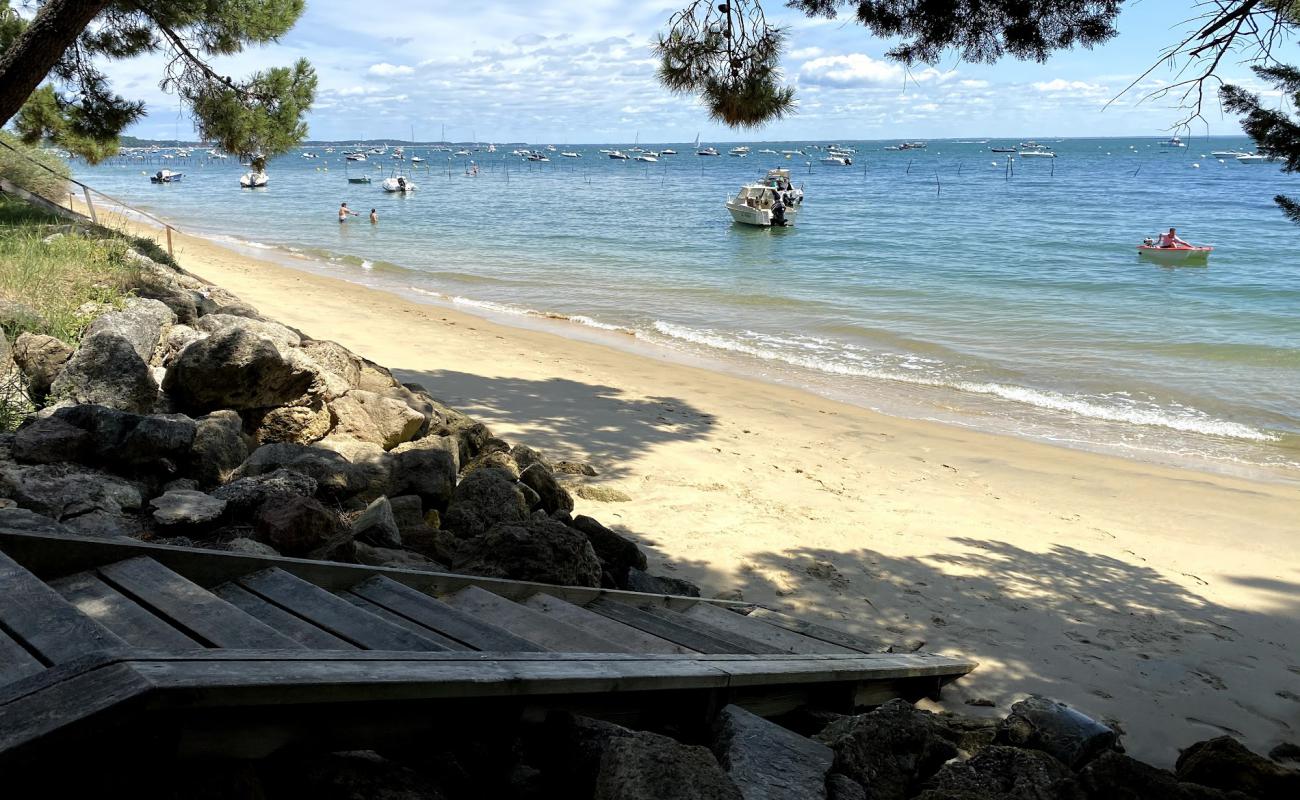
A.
pixel 427 468
pixel 245 495
pixel 234 369
pixel 575 468
pixel 161 283
pixel 40 358
pixel 348 418
pixel 293 424
pixel 218 448
pixel 640 581
pixel 185 508
pixel 483 499
pixel 152 438
pixel 370 469
pixel 65 491
pixel 618 554
pixel 297 525
pixel 248 547
pixel 539 550
pixel 1066 734
pixel 442 546
pixel 395 421
pixel 842 787
pixel 14 518
pixel 602 494
pixel 374 377
pixel 175 340
pixel 281 336
pixel 647 766
pixel 408 511
pixel 768 762
pixel 189 484
pixel 107 436
pixel 495 459
pixel 392 557
pixel 1114 776
pixel 142 322
pixel 50 440
pixel 107 371
pixel 376 525
pixel 1012 773
pixel 525 456
pixel 889 750
pixel 554 497
pixel 1225 763
pixel 335 358
pixel 104 524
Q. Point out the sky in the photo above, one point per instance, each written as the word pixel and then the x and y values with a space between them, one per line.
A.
pixel 546 71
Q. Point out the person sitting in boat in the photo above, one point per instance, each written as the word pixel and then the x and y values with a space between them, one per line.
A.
pixel 1171 240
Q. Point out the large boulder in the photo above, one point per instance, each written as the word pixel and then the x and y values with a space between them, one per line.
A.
pixel 618 554
pixel 1224 763
pixel 377 526
pixel 1012 773
pixel 394 419
pixel 175 340
pixel 89 501
pixel 494 459
pixel 1068 735
pixel 483 499
pixel 890 750
pixel 186 511
pixel 427 468
pixel 235 369
pixel 342 469
pixel 106 370
pixel 1115 776
pixel 282 336
pixel 96 434
pixel 639 580
pixel 142 322
pixel 768 762
pixel 14 518
pixel 245 495
pixel 40 358
pixel 348 418
pixel 293 424
pixel 335 358
pixel 539 550
pixel 393 557
pixel 163 284
pixel 218 447
pixel 647 766
pixel 49 440
pixel 553 496
pixel 297 526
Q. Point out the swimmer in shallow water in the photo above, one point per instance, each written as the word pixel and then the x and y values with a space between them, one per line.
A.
pixel 345 212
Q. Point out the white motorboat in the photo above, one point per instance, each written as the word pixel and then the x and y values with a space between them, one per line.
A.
pixel 649 158
pixel 355 156
pixel 1256 158
pixel 767 151
pixel 738 152
pixel 417 160
pixel 668 152
pixel 398 183
pixel 707 151
pixel 462 152
pixel 538 155
pixel 769 203
pixel 793 153
pixel 309 155
pixel 1037 151
pixel 571 154
pixel 838 161
pixel 253 180
pixel 1173 141
pixel 165 176
pixel 1226 154
pixel 618 155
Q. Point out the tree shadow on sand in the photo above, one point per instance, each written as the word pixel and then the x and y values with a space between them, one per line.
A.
pixel 564 418
pixel 1120 641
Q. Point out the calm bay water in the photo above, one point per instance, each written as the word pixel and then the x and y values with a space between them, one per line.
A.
pixel 926 283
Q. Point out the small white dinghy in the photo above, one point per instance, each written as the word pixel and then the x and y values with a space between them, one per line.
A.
pixel 398 183
pixel 253 180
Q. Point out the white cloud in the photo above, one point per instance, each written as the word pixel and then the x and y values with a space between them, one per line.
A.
pixel 805 53
pixel 1074 87
pixel 854 69
pixel 970 84
pixel 386 70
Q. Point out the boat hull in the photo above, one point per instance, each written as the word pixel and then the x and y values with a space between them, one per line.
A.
pixel 759 217
pixel 1175 255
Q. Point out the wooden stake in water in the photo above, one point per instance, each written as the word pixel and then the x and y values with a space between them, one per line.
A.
pixel 937 185
pixel 909 168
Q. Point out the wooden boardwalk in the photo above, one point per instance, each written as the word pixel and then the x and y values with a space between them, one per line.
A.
pixel 220 654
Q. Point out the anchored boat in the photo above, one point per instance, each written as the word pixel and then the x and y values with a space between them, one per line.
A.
pixel 1175 255
pixel 772 202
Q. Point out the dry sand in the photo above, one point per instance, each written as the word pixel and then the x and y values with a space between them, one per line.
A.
pixel 1163 600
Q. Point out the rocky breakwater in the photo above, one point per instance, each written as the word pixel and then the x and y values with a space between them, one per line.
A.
pixel 185 417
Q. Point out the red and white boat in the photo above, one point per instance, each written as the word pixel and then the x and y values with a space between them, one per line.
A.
pixel 1175 255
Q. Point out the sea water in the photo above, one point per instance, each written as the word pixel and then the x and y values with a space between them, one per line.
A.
pixel 940 283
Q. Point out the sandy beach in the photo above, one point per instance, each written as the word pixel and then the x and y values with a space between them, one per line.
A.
pixel 1161 600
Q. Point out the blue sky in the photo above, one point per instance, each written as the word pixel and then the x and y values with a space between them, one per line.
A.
pixel 561 72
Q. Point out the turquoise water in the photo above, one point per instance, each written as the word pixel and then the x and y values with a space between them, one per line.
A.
pixel 931 283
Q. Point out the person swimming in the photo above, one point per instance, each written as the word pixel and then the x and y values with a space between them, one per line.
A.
pixel 374 216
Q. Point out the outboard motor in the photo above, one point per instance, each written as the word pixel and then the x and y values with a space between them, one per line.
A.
pixel 778 213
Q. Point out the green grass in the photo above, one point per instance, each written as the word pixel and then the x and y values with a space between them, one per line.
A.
pixel 49 182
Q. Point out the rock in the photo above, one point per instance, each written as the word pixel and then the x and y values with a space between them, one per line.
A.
pixel 408 511
pixel 40 358
pixel 1115 776
pixel 175 340
pixel 239 309
pixel 341 469
pixel 376 525
pixel 293 424
pixel 525 456
pixel 639 581
pixel 66 491
pixel 442 546
pixel 1003 772
pixel 183 508
pixel 575 468
pixel 426 468
pixel 162 284
pixel 842 787
pixel 375 378
pixel 50 440
pixel 495 459
pixel 483 499
pixel 349 418
pixel 107 371
pixel 395 558
pixel 154 438
pixel 396 421
pixel 889 750
pixel 647 766
pixel 335 358
pixel 281 336
pixel 1044 724
pixel 358 775
pixel 218 447
pixel 296 525
pixel 142 322
pixel 768 762
pixel 370 469
pixel 554 497
pixel 1224 763
pixel 13 518
pixel 105 524
pixel 970 734
pixel 248 547
pixel 602 494
pixel 1286 751
pixel 537 550
pixel 244 496
pixel 234 369
pixel 617 553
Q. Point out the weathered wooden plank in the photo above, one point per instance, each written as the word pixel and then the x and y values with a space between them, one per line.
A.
pixel 15 661
pixel 49 626
pixel 137 626
pixel 296 628
pixel 397 619
pixel 634 639
pixel 334 614
pixel 687 633
pixel 433 613
pixel 753 629
pixel 533 625
pixel 815 631
pixel 190 607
